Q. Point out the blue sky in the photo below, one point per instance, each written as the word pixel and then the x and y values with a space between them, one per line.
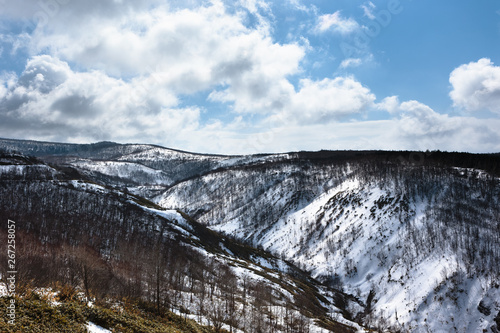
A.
pixel 253 76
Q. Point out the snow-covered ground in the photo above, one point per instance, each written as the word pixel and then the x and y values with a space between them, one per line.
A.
pixel 367 254
pixel 356 232
pixel 125 170
pixel 360 233
pixel 21 170
pixel 93 328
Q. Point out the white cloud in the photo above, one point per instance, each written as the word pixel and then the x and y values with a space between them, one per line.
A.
pixel 253 6
pixel 50 101
pixel 3 89
pixel 419 120
pixel 476 86
pixel 325 101
pixel 351 62
pixel 88 106
pixel 337 23
pixel 44 73
pixel 186 51
pixel 164 53
pixel 52 12
pixel 7 81
pixel 330 99
pixel 140 61
pixel 416 126
pixel 298 5
pixel 389 104
pixel 462 134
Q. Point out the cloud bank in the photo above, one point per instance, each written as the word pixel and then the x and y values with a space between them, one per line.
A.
pixel 476 86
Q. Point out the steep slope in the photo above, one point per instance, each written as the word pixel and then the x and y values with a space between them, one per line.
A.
pixel 113 245
pixel 405 253
pixel 419 242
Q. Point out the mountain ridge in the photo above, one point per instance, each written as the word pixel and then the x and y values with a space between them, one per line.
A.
pixel 407 233
pixel 116 244
pixel 5 142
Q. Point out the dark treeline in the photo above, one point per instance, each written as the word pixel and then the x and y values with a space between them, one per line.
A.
pixel 487 162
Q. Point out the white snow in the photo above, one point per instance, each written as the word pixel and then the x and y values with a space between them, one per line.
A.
pixel 171 215
pixel 354 231
pixel 88 186
pixel 3 290
pixel 125 170
pixel 93 328
pixel 20 170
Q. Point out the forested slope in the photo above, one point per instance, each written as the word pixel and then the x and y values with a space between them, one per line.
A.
pixel 109 245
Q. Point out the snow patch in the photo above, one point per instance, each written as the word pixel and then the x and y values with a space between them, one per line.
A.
pixel 93 328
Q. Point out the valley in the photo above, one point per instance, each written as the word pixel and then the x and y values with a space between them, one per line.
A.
pixel 294 242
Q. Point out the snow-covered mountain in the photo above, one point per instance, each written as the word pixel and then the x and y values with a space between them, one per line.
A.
pixel 415 237
pixel 114 245
pixel 419 243
pixel 143 169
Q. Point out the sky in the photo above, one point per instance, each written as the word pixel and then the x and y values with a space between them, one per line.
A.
pixel 253 76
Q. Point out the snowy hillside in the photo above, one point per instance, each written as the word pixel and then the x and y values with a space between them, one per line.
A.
pixel 124 171
pixel 113 245
pixel 145 170
pixel 411 239
pixel 356 233
pixel 420 245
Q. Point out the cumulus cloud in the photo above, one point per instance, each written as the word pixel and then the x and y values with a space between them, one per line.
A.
pixel 327 100
pixel 52 102
pixel 44 73
pixel 67 105
pixel 417 126
pixel 253 6
pixel 258 83
pixel 337 23
pixel 419 120
pixel 476 86
pixel 389 104
pixel 7 81
pixel 188 50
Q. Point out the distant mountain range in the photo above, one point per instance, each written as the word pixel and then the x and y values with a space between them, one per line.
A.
pixel 343 240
